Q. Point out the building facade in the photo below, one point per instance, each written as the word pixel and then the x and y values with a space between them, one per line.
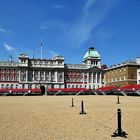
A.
pixel 126 73
pixel 52 73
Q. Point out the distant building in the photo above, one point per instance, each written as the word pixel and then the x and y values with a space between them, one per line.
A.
pixel 138 70
pixel 52 73
pixel 126 73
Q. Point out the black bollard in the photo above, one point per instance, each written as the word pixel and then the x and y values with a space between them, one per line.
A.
pixel 82 108
pixel 118 100
pixel 72 104
pixel 119 132
pixel 119 122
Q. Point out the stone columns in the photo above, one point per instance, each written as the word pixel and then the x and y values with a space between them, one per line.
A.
pixel 87 80
pixel 96 78
pixel 56 76
pixel 33 75
pixel 44 76
pixel 83 79
pixel 50 78
pixel 100 78
pixel 39 75
pixel 19 75
pixel 26 76
pixel 92 78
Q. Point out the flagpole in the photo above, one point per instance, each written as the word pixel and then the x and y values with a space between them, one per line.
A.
pixel 41 49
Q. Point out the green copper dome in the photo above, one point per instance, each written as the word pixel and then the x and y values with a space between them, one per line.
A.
pixel 92 53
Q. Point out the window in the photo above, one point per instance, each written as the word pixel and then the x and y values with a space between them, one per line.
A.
pixel 7 85
pixel 112 79
pixel 7 71
pixel 7 78
pixel 2 71
pixel 16 78
pixel 2 78
pixel 12 86
pixel 16 86
pixel 12 78
pixel 124 77
pixel 132 76
pixel 72 79
pixel 81 79
pixel 85 79
pixel 2 86
pixel 98 80
pixel 60 86
pixel 12 71
pixel 76 80
pixel 59 62
pixel 108 80
pixel 120 78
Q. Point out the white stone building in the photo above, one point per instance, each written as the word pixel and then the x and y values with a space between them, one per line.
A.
pixel 52 73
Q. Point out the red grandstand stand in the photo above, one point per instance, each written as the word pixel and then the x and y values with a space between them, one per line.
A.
pixel 18 90
pixel 129 88
pixel 69 91
pixel 4 90
pixel 35 90
pixel 107 88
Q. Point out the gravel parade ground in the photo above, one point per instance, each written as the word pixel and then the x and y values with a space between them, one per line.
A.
pixel 53 118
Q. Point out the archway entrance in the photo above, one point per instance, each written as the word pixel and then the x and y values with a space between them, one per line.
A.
pixel 42 88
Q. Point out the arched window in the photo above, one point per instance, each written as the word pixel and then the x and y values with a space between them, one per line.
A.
pixel 7 78
pixel 2 78
pixel 12 78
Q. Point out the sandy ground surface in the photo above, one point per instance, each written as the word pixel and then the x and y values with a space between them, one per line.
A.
pixel 52 118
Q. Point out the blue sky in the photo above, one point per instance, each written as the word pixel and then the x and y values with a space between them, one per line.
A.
pixel 65 28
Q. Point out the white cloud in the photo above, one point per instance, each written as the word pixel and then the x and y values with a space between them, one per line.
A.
pixel 8 47
pixel 54 25
pixel 88 4
pixel 2 30
pixel 94 12
pixel 58 6
pixel 92 15
pixel 53 54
